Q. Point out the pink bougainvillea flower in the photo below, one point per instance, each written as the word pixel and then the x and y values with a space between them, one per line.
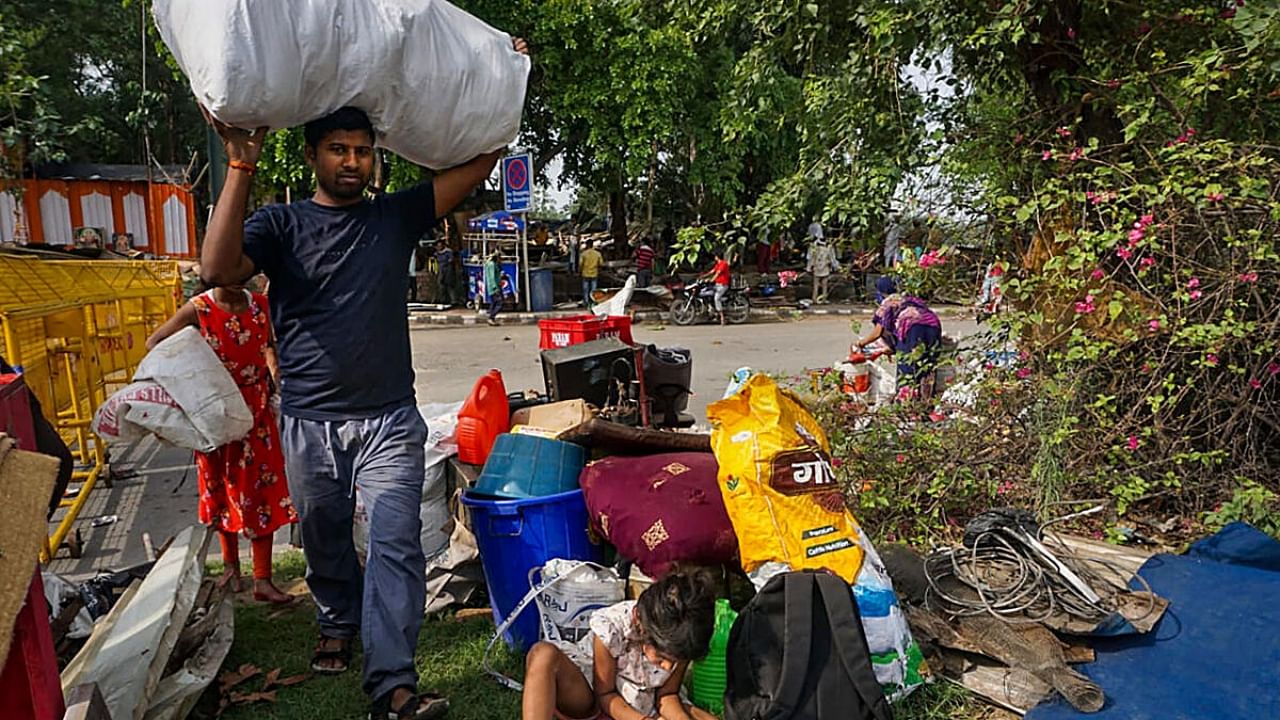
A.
pixel 1255 383
pixel 1136 235
pixel 1124 253
pixel 1193 282
pixel 1211 359
pixel 1017 139
pixel 1133 442
pixel 1063 132
pixel 1248 277
pixel 1154 325
pixel 1071 33
pixel 1023 373
pixel 901 458
pixel 1097 274
pixel 1273 369
pixel 1076 154
pixel 1146 220
pixel 1196 294
pixel 1113 84
pixel 1215 197
pixel 1146 368
pixel 1147 262
pixel 1086 306
pixel 1092 197
pixel 1046 155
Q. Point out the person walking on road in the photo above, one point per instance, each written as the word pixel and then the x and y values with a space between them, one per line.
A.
pixel 336 263
pixel 589 265
pixel 448 274
pixel 493 284
pixel 242 486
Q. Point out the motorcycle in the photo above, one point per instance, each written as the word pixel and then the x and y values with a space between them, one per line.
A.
pixel 696 303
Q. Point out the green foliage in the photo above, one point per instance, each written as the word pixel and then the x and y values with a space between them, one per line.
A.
pixel 1251 503
pixel 91 104
pixel 31 128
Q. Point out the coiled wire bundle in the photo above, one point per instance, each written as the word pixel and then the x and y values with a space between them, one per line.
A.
pixel 1007 569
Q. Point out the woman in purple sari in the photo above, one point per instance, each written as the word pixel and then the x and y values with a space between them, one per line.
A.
pixel 913 333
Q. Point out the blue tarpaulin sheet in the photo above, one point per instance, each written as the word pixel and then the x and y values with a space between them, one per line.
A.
pixel 1215 655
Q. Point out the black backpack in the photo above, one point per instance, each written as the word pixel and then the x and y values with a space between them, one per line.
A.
pixel 798 652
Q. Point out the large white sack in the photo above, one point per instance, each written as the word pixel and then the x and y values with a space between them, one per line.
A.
pixel 182 393
pixel 440 86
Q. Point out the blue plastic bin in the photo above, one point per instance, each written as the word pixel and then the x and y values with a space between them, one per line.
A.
pixel 515 536
pixel 541 289
pixel 526 466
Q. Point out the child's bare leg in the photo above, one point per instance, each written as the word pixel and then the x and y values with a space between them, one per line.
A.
pixel 552 682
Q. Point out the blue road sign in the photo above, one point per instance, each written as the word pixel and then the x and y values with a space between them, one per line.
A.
pixel 517 172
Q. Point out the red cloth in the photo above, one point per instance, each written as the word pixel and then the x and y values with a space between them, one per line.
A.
pixel 721 272
pixel 242 484
pixel 661 510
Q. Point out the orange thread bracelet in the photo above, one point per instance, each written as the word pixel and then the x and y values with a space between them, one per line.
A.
pixel 243 166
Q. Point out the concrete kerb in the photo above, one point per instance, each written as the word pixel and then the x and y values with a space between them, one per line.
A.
pixel 428 320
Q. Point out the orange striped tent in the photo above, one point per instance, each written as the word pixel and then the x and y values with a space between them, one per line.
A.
pixel 64 202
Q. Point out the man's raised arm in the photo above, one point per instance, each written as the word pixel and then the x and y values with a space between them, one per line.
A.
pixel 222 259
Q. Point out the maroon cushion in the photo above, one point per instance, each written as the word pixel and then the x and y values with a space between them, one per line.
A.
pixel 660 510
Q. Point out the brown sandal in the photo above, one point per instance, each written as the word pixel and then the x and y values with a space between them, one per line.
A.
pixel 419 706
pixel 342 653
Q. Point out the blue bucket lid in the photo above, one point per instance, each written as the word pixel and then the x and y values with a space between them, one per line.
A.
pixel 527 466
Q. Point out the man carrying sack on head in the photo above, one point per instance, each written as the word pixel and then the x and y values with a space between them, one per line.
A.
pixel 336 264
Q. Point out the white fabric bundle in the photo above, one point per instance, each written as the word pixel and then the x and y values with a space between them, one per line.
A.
pixel 440 86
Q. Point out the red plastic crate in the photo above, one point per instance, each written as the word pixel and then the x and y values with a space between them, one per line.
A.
pixel 563 332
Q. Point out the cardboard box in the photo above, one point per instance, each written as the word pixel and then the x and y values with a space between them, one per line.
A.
pixel 555 418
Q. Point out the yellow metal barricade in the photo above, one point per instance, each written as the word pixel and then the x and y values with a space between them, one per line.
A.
pixel 77 329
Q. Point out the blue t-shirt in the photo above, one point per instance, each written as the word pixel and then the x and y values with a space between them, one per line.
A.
pixel 338 292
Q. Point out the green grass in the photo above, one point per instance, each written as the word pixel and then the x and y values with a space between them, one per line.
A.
pixel 448 660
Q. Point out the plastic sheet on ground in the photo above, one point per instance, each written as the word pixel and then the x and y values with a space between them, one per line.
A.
pixel 1213 654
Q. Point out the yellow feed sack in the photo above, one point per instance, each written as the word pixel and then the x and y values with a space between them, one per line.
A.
pixel 778 485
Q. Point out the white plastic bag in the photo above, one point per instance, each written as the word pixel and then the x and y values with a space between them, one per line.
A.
pixel 440 86
pixel 567 594
pixel 182 393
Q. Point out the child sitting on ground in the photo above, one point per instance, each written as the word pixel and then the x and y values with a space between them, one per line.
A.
pixel 632 664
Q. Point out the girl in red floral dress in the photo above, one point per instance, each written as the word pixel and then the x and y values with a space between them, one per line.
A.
pixel 242 483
